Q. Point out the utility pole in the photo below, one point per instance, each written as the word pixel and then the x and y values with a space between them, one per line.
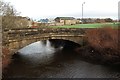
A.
pixel 82 11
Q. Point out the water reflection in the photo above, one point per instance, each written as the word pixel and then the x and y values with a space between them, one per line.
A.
pixel 41 52
pixel 60 59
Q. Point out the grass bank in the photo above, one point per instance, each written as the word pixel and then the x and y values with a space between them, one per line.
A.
pixel 95 25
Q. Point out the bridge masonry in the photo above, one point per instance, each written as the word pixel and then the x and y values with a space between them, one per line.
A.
pixel 16 39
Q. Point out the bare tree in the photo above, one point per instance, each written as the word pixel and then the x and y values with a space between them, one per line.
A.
pixel 8 13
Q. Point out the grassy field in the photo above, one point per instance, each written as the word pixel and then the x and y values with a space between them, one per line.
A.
pixel 96 25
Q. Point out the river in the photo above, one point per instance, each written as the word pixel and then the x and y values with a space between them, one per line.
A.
pixel 55 59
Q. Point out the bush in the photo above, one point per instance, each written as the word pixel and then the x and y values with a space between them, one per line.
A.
pixel 103 38
pixel 105 43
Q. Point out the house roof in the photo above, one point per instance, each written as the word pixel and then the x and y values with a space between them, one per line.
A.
pixel 65 18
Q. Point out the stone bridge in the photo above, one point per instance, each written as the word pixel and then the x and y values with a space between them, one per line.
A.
pixel 15 39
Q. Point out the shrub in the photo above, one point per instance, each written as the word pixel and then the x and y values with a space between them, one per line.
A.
pixel 103 38
pixel 106 42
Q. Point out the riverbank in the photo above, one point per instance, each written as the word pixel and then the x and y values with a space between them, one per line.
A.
pixel 102 46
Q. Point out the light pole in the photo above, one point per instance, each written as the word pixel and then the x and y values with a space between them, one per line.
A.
pixel 82 11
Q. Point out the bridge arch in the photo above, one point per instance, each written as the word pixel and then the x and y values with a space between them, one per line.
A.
pixel 53 43
pixel 15 45
pixel 16 39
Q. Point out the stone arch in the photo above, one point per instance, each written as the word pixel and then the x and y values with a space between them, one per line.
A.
pixel 18 44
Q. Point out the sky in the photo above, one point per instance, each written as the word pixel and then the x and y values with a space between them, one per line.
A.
pixel 38 9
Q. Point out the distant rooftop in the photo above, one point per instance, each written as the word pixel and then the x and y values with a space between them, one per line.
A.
pixel 65 18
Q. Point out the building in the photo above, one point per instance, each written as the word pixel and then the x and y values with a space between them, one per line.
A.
pixel 22 22
pixel 43 20
pixel 65 20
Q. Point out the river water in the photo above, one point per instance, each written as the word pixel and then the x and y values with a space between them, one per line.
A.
pixel 55 59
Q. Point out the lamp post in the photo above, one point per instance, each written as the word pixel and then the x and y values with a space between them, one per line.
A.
pixel 82 11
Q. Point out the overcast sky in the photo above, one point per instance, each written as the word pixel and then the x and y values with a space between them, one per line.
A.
pixel 37 9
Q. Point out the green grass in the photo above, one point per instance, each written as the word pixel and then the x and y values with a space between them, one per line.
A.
pixel 96 25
